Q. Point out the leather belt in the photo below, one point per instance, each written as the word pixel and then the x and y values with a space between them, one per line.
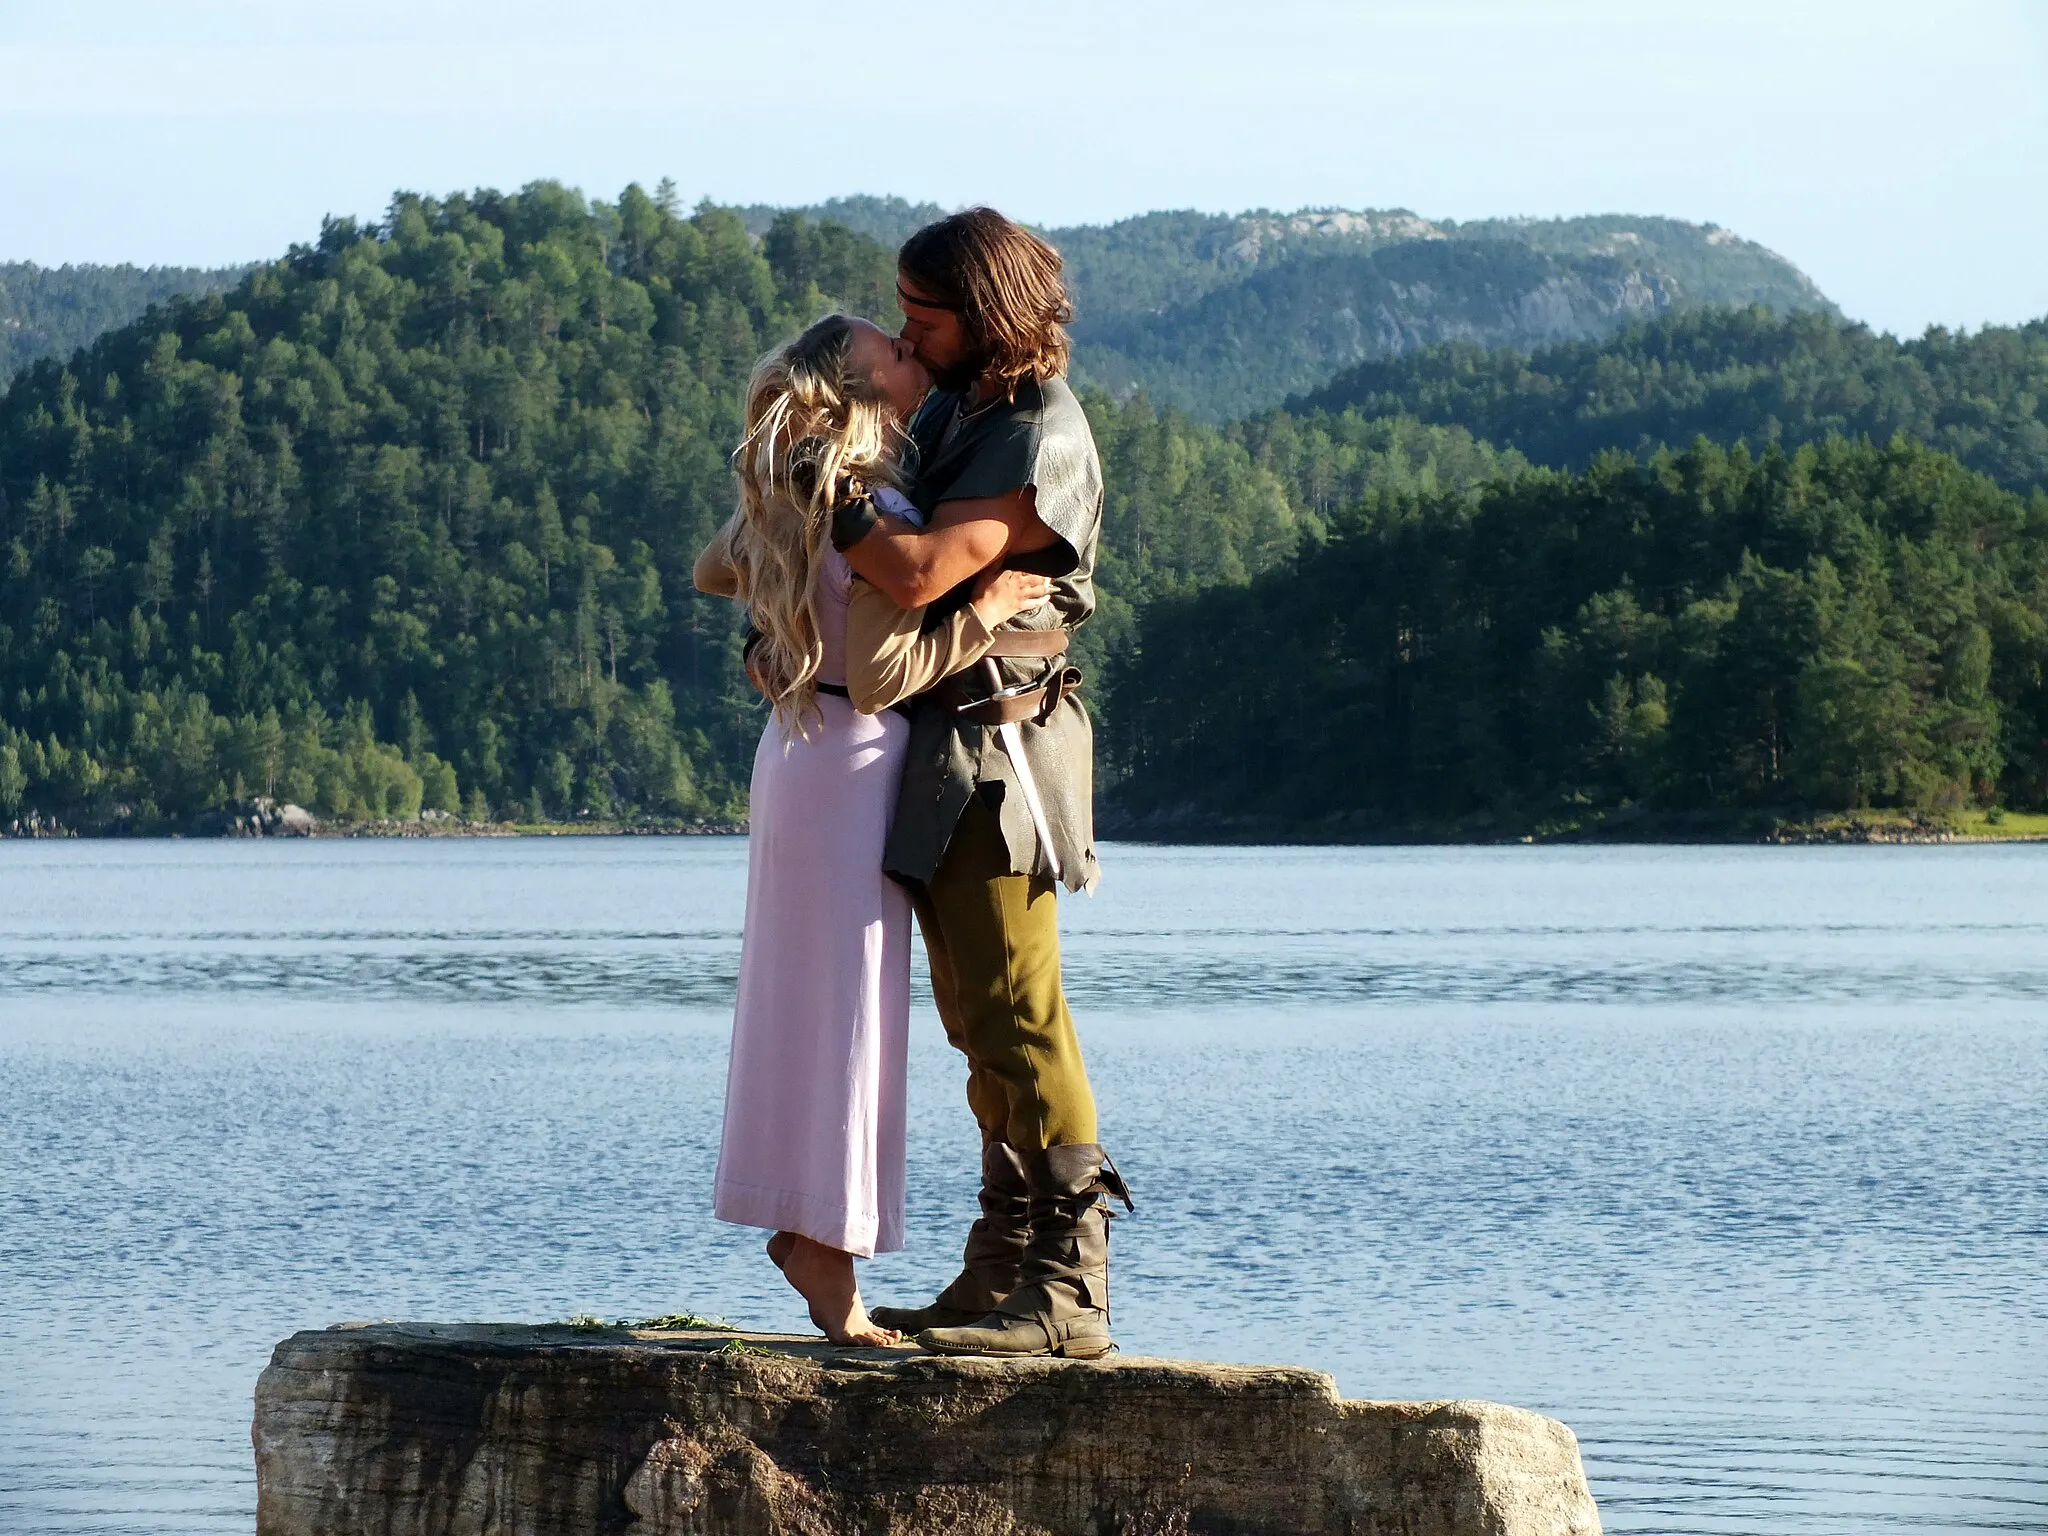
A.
pixel 1033 701
pixel 841 691
pixel 1028 642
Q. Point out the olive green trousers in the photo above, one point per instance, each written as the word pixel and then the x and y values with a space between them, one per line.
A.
pixel 993 940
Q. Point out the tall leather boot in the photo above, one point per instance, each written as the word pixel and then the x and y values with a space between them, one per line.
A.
pixel 994 1253
pixel 1061 1303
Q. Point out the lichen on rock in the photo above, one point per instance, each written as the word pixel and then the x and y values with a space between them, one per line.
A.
pixel 500 1430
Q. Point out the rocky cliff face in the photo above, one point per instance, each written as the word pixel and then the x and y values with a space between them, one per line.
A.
pixel 1291 324
pixel 1224 317
pixel 483 1430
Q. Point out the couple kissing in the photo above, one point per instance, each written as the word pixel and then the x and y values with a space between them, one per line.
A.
pixel 914 546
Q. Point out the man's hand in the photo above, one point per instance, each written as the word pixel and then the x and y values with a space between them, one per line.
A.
pixel 915 566
pixel 1000 595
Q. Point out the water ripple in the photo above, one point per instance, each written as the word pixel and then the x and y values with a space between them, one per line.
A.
pixel 1780 1270
pixel 693 971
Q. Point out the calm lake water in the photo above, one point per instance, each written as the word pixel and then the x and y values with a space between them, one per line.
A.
pixel 1733 1159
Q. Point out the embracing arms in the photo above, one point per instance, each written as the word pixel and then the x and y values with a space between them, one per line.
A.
pixel 915 566
pixel 889 657
pixel 902 568
pixel 911 565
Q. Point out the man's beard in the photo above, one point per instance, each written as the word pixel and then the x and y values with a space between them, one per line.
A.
pixel 956 378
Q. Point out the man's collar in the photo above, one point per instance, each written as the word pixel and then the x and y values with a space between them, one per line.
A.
pixel 969 406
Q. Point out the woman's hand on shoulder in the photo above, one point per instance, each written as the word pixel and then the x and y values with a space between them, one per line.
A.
pixel 1000 596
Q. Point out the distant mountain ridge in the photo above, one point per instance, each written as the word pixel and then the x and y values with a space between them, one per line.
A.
pixel 53 311
pixel 886 220
pixel 1247 345
pixel 1222 315
pixel 1217 315
pixel 1730 375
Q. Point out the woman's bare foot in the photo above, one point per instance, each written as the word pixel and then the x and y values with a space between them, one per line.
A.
pixel 824 1278
pixel 778 1248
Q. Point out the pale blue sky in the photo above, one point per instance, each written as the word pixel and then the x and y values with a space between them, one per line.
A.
pixel 1897 151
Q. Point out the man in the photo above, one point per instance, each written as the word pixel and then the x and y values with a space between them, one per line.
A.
pixel 996 807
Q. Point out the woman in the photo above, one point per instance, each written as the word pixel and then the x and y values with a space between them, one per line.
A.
pixel 813 1143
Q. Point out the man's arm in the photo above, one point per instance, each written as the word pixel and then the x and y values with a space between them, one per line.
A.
pixel 915 566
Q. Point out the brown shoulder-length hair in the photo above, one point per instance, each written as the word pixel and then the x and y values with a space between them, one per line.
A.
pixel 1005 282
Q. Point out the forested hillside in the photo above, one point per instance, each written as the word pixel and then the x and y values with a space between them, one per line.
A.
pixel 1733 376
pixel 1843 626
pixel 1188 508
pixel 53 311
pixel 408 518
pixel 1218 315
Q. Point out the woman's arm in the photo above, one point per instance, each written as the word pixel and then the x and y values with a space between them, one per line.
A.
pixel 714 573
pixel 889 657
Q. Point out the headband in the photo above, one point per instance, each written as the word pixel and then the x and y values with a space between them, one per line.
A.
pixel 907 300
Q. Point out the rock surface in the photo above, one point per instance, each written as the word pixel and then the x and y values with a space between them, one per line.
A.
pixel 499 1430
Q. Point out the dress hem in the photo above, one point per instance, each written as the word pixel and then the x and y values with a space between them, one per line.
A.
pixel 783 1210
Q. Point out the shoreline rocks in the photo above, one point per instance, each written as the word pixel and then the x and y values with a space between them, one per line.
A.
pixel 410 1429
pixel 265 818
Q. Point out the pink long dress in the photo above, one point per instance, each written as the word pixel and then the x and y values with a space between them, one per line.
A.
pixel 813 1137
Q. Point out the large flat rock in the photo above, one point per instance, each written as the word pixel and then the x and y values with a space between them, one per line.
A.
pixel 408 1429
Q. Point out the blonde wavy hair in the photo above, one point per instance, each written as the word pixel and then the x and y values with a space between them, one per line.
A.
pixel 810 426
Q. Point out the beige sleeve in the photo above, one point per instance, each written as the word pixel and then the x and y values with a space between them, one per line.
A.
pixel 714 572
pixel 888 658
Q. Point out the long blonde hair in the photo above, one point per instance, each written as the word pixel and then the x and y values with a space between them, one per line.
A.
pixel 810 425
